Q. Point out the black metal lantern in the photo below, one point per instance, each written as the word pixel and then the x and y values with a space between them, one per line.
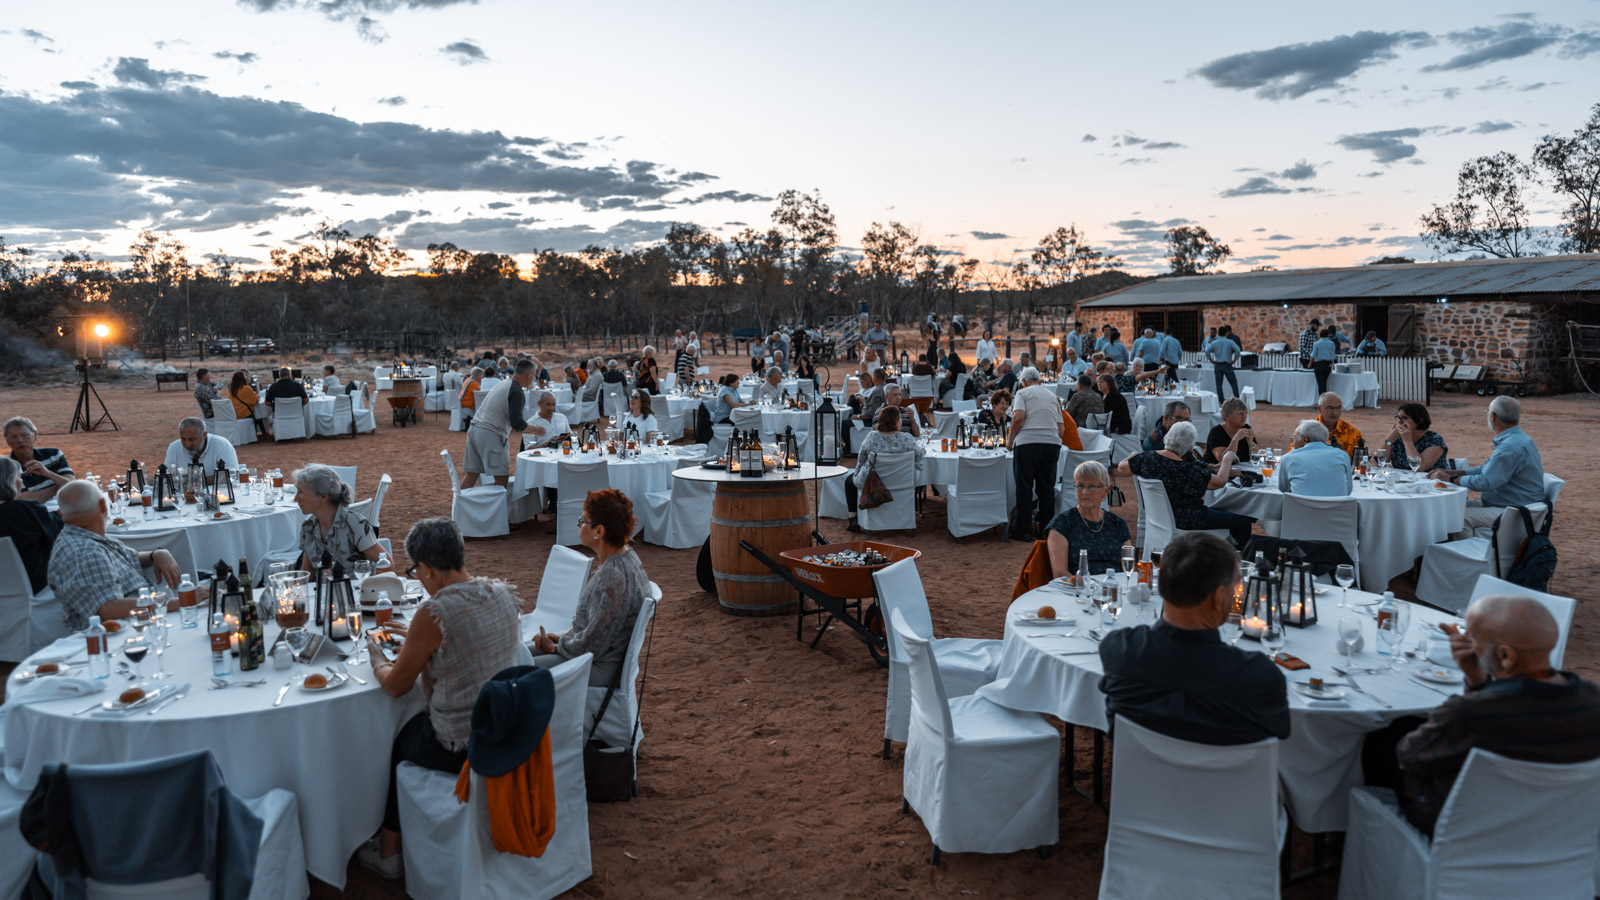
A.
pixel 134 482
pixel 219 582
pixel 341 603
pixel 222 485
pixel 1299 590
pixel 166 493
pixel 234 598
pixel 825 433
pixel 791 448
pixel 963 438
pixel 1263 598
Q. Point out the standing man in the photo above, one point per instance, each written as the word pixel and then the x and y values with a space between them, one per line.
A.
pixel 1171 356
pixel 489 435
pixel 1205 343
pixel 204 391
pixel 1223 355
pixel 195 448
pixel 1308 339
pixel 1035 441
pixel 1104 340
pixel 1323 354
pixel 44 469
pixel 1147 349
pixel 1075 339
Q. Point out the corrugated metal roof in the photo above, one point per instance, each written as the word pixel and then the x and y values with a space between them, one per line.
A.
pixel 1537 275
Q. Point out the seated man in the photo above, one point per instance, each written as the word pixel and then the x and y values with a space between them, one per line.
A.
pixel 1314 467
pixel 1008 377
pixel 547 427
pixel 205 391
pixel 1513 475
pixel 330 381
pixel 1072 367
pixel 44 469
pixel 285 387
pixel 922 365
pixel 772 388
pixel 92 574
pixel 1177 676
pixel 909 420
pixel 195 447
pixel 1341 434
pixel 1085 401
pixel 1176 411
pixel 1515 705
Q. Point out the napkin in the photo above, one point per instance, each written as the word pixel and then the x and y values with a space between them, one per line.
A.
pixel 1290 662
pixel 56 687
pixel 60 651
pixel 1341 703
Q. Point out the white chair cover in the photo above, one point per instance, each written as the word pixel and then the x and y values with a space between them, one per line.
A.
pixel 962 406
pixel 363 420
pixel 347 474
pixel 977 501
pixel 958 391
pixel 1324 519
pixel 745 418
pixel 1155 510
pixel 574 481
pixel 175 541
pixel 721 433
pixel 1098 450
pixel 920 386
pixel 457 859
pixel 946 424
pixel 617 727
pixel 1097 421
pixel 16 856
pixel 480 510
pixel 337 420
pixel 1191 820
pixel 565 572
pixel 1562 608
pixel 28 622
pixel 680 518
pixel 362 508
pixel 668 379
pixel 899 474
pixel 982 777
pixel 288 419
pixel 833 504
pixel 1450 570
pixel 1552 488
pixel 1508 829
pixel 377 498
pixel 224 422
pixel 458 420
pixel 615 398
pixel 965 664
pixel 1248 395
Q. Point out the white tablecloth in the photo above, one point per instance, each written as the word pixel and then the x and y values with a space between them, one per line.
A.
pixel 331 749
pixel 1394 529
pixel 635 477
pixel 251 530
pixel 1200 404
pixel 1289 387
pixel 383 376
pixel 1320 761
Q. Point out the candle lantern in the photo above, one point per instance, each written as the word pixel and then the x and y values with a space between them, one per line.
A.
pixel 234 598
pixel 1263 597
pixel 825 433
pixel 340 603
pixel 166 492
pixel 219 581
pixel 791 448
pixel 134 481
pixel 1299 590
pixel 963 437
pixel 222 485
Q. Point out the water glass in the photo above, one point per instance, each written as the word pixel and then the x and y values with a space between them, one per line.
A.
pixel 1349 636
pixel 1232 629
pixel 1345 575
pixel 1273 639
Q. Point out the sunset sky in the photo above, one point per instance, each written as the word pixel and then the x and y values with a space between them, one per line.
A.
pixel 1302 135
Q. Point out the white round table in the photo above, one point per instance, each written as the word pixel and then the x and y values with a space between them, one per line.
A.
pixel 251 530
pixel 1201 403
pixel 634 477
pixel 1394 528
pixel 942 466
pixel 1320 761
pixel 331 748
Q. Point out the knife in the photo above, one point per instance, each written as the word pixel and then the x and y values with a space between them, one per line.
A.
pixel 281 691
pixel 1351 679
pixel 174 698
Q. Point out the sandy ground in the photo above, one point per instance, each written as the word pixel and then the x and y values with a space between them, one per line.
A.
pixel 760 771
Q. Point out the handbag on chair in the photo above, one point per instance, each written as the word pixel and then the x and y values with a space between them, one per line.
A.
pixel 874 493
pixel 1115 496
pixel 608 772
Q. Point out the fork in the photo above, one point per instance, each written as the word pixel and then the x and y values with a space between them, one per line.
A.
pixel 340 669
pixel 1361 690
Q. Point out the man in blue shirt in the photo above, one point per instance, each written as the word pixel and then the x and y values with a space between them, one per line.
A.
pixel 1176 411
pixel 1513 475
pixel 1371 346
pixel 1323 354
pixel 1104 340
pixel 1314 468
pixel 1075 339
pixel 1072 366
pixel 1205 342
pixel 1171 355
pixel 1148 349
pixel 1116 350
pixel 1224 354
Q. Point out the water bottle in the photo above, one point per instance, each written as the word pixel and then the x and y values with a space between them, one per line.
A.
pixel 221 647
pixel 383 610
pixel 99 653
pixel 1387 620
pixel 188 602
pixel 1082 580
pixel 385 567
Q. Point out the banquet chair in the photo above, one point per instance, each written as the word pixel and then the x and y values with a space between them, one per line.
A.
pixel 449 850
pixel 702 370
pixel 1098 421
pixel 618 728
pixel 288 419
pixel 899 474
pixel 337 419
pixel 1096 448
pixel 680 518
pixel 363 509
pixel 16 856
pixel 574 481
pixel 946 423
pixel 965 664
pixel 1552 489
pixel 1125 445
pixel 237 431
pixel 1248 395
pixel 109 810
pixel 1561 608
pixel 384 484
pixel 1324 519
pixel 565 572
pixel 746 418
pixel 458 421
pixel 1192 820
pixel 28 622
pixel 480 510
pixel 347 474
pixel 668 379
pixel 1155 509
pixel 977 501
pixel 362 419
pixel 921 393
pixel 175 541
pixel 983 778
pixel 961 406
pixel 1508 829
pixel 832 503
pixel 721 433
pixel 614 399
pixel 958 391
pixel 1450 569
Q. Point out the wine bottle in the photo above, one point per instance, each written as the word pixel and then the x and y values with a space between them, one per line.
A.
pixel 252 641
pixel 244 573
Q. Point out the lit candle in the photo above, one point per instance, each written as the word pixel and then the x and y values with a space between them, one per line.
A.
pixel 338 629
pixel 1254 625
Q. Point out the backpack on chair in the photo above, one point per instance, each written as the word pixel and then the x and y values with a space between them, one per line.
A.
pixel 1536 558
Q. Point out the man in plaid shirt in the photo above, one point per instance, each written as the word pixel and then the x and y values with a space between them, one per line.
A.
pixel 1308 340
pixel 93 574
pixel 1515 705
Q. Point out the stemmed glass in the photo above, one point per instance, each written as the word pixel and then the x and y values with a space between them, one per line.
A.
pixel 1394 636
pixel 1128 559
pixel 135 648
pixel 158 618
pixel 1349 635
pixel 1232 629
pixel 354 619
pixel 1346 576
pixel 1273 639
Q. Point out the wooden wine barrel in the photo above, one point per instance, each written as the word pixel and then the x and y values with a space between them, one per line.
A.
pixel 773 517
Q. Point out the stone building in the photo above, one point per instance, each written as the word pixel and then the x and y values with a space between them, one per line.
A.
pixel 1497 312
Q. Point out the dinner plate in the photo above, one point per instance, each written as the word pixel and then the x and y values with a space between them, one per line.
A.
pixel 334 681
pixel 1437 674
pixel 1304 689
pixel 29 673
pixel 151 696
pixel 1032 618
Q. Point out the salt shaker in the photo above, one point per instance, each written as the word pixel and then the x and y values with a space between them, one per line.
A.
pixel 282 657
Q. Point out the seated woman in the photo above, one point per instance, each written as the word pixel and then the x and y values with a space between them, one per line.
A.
pixel 469 393
pixel 727 399
pixel 610 600
pixel 1087 526
pixel 465 633
pixel 998 415
pixel 869 363
pixel 1232 435
pixel 644 373
pixel 245 401
pixel 639 414
pixel 1114 403
pixel 31 527
pixel 1187 482
pixel 886 437
pixel 1411 444
pixel 805 369
pixel 329 525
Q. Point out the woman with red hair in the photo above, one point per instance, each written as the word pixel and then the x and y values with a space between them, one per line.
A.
pixel 611 597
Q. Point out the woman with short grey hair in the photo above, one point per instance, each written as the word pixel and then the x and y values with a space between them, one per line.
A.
pixel 1087 526
pixel 1186 483
pixel 330 527
pixel 31 527
pixel 1181 440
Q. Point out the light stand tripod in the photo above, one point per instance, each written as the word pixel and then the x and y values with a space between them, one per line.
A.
pixel 83 417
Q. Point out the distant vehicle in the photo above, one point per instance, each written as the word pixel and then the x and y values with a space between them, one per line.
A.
pixel 234 346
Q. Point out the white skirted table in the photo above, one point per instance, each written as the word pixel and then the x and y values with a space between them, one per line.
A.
pixel 251 529
pixel 1042 670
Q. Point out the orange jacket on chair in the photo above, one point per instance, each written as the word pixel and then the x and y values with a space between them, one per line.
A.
pixel 522 802
pixel 1036 570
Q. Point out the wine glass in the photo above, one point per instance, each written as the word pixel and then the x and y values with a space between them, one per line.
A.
pixel 1232 629
pixel 1273 639
pixel 1349 635
pixel 158 618
pixel 1345 575
pixel 354 619
pixel 1394 636
pixel 1128 561
pixel 135 648
pixel 297 638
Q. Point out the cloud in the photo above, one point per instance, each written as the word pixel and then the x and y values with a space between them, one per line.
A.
pixel 1278 237
pixel 727 196
pixel 1513 40
pixel 396 100
pixel 989 235
pixel 1300 171
pixel 1294 70
pixel 465 52
pixel 362 12
pixel 79 85
pixel 245 58
pixel 1491 127
pixel 1257 185
pixel 1138 160
pixel 1385 146
pixel 1089 139
pixel 520 235
pixel 499 204
pixel 38 37
pixel 136 70
pixel 1133 140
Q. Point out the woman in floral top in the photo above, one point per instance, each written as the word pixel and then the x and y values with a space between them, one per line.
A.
pixel 329 525
pixel 886 438
pixel 611 597
pixel 1411 444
